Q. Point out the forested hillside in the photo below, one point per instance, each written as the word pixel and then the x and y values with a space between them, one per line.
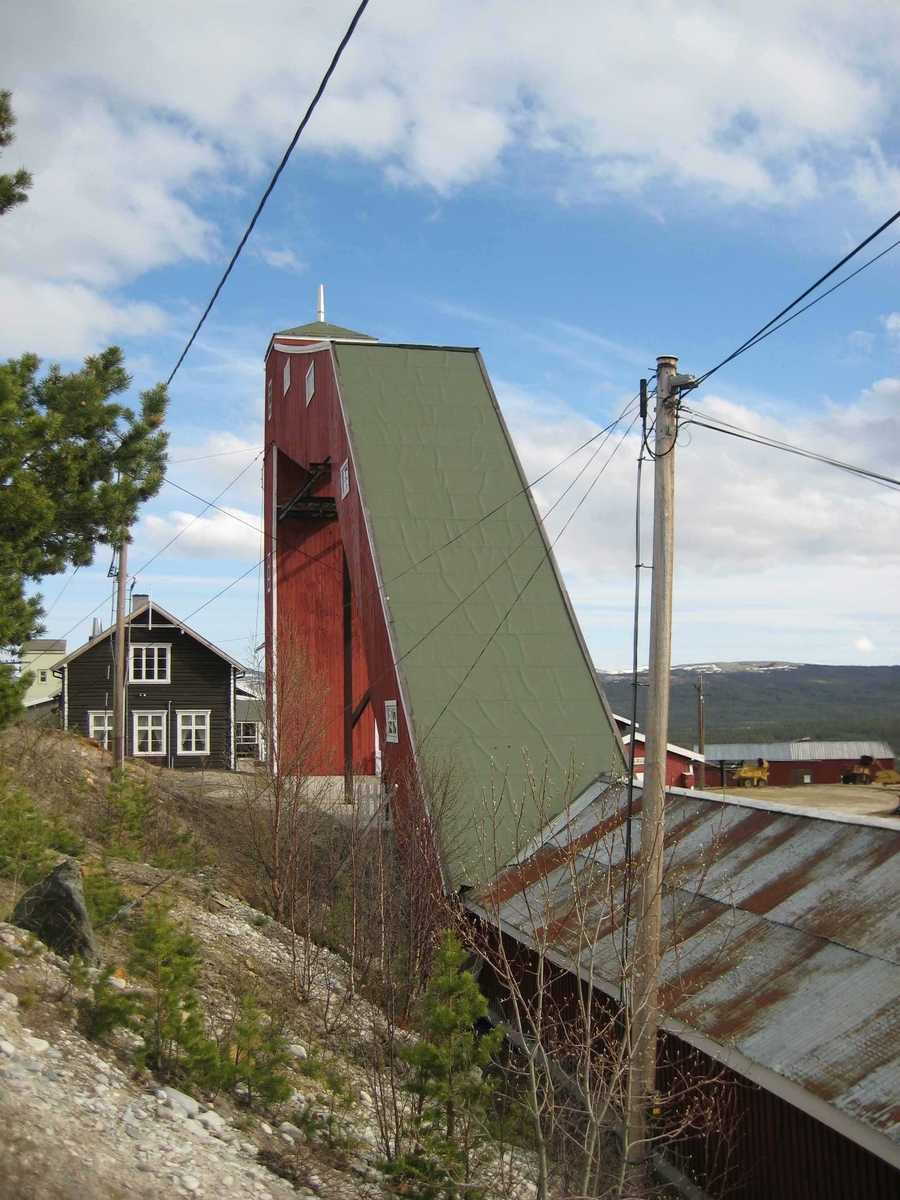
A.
pixel 774 702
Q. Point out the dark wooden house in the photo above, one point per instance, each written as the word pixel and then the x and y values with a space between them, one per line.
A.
pixel 180 691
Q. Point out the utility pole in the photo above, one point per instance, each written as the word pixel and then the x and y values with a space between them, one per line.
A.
pixel 119 736
pixel 644 1007
pixel 701 732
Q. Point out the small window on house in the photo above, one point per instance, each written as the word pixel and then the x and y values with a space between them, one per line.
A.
pixel 345 478
pixel 269 401
pixel 100 725
pixel 149 664
pixel 149 733
pixel 310 382
pixel 193 732
pixel 287 378
pixel 269 572
pixel 391 732
pixel 43 676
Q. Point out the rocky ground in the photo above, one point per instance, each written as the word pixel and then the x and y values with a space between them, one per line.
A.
pixel 80 1121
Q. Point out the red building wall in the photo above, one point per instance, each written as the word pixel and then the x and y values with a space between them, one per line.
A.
pixel 746 1143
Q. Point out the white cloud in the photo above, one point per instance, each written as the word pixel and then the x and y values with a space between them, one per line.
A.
pixel 66 320
pixel 892 328
pixel 283 260
pixel 127 120
pixel 859 339
pixel 221 535
pixel 768 547
pixel 864 645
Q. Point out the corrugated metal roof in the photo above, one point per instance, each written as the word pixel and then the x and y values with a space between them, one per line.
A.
pixel 782 936
pixel 498 677
pixel 797 751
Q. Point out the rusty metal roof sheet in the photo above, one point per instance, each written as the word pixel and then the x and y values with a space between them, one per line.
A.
pixel 797 751
pixel 782 935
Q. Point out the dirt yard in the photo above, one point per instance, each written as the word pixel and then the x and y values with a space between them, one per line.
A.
pixel 867 801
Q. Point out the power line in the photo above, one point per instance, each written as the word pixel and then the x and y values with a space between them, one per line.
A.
pixel 758 336
pixel 521 592
pixel 287 154
pixel 528 486
pixel 194 520
pixel 225 589
pixel 221 454
pixel 61 590
pixel 761 439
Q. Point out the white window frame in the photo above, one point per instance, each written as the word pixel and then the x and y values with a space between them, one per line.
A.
pixel 286 378
pixel 161 726
pixel 269 401
pixel 143 647
pixel 391 723
pixel 192 713
pixel 311 382
pixel 103 735
pixel 269 572
pixel 42 675
pixel 345 478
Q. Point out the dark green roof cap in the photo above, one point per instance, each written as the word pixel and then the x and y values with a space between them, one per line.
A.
pixel 322 330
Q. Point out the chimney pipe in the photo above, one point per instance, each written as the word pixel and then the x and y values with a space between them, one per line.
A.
pixel 139 600
pixel 96 628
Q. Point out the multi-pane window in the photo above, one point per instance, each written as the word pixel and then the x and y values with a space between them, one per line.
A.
pixel 287 377
pixel 193 732
pixel 101 727
pixel 269 400
pixel 391 730
pixel 310 382
pixel 149 733
pixel 345 478
pixel 43 676
pixel 149 664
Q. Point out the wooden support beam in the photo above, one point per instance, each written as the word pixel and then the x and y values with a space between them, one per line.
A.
pixel 347 609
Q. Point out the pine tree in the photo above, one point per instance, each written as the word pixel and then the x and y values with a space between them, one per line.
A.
pixel 255 1055
pixel 14 187
pixel 449 1082
pixel 165 955
pixel 75 464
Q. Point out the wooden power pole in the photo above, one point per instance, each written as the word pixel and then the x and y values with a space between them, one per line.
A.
pixel 701 732
pixel 120 665
pixel 644 1014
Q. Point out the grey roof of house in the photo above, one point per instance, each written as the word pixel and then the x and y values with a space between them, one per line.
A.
pixel 45 646
pixel 782 936
pixel 796 751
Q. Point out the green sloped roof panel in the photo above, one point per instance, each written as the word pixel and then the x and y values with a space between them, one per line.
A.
pixel 495 669
pixel 321 329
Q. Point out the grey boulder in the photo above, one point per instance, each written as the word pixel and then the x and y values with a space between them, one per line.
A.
pixel 54 910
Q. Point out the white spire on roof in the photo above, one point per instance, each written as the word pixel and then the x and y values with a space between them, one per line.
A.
pixel 320 304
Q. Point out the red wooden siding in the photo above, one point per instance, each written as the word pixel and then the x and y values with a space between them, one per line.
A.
pixel 756 1146
pixel 310 562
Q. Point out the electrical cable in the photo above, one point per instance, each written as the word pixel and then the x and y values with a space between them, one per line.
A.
pixel 221 454
pixel 287 154
pixel 544 558
pixel 521 492
pixel 761 439
pixel 193 520
pixel 793 304
pixel 225 589
pixel 806 307
pixel 61 590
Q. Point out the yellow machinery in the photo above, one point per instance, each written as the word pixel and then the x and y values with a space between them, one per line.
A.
pixel 870 770
pixel 752 775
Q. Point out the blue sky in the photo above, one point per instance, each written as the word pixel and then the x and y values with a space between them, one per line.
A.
pixel 663 182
